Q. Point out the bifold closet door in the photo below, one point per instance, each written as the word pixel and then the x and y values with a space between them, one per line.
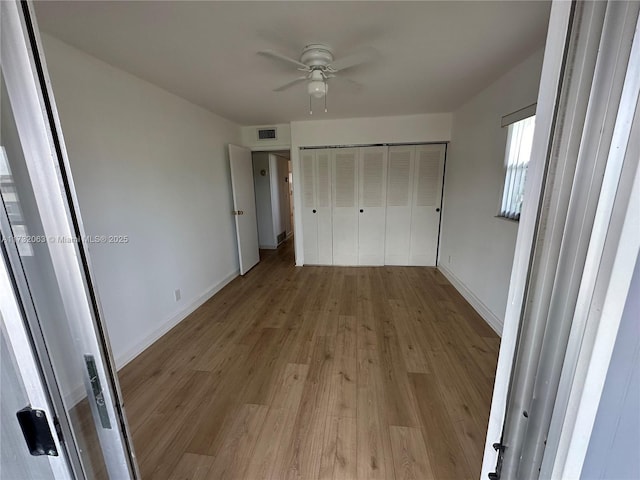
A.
pixel 345 206
pixel 425 212
pixel 309 210
pixel 399 201
pixel 372 190
pixel 323 206
pixel 316 213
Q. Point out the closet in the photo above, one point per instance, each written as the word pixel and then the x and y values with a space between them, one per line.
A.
pixel 372 205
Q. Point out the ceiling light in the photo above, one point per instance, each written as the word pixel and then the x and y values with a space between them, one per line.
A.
pixel 317 88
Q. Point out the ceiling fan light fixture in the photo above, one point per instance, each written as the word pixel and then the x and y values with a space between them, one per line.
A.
pixel 317 88
pixel 318 65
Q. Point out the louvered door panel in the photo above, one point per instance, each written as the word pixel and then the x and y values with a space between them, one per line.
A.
pixel 372 175
pixel 324 213
pixel 308 174
pixel 425 214
pixel 399 203
pixel 345 206
pixel 428 178
pixel 309 217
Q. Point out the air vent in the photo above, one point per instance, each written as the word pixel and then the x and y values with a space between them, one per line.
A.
pixel 267 134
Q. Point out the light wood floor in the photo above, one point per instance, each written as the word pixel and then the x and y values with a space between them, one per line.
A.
pixel 317 373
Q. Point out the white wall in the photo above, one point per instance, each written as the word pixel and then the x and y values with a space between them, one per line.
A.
pixel 250 137
pixel 476 248
pixel 152 166
pixel 424 128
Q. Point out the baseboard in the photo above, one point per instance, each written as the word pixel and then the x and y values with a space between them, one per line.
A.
pixel 78 393
pixel 487 315
pixel 268 247
pixel 124 358
pixel 75 396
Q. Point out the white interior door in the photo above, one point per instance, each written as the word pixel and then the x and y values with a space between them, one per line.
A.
pixel 372 179
pixel 244 207
pixel 345 206
pixel 399 201
pixel 309 210
pixel 425 214
pixel 323 204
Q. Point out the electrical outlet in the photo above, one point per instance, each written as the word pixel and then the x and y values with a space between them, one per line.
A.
pixel 177 294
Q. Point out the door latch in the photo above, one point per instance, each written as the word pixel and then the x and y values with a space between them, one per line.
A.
pixel 98 394
pixel 498 447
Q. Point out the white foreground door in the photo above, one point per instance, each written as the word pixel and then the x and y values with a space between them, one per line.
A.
pixel 244 207
pixel 56 368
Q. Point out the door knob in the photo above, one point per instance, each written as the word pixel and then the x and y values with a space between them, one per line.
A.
pixel 361 210
pixel 314 211
pixel 437 209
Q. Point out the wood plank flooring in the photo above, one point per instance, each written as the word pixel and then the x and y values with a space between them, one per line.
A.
pixel 317 373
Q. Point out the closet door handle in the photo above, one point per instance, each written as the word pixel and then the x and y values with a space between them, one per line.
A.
pixel 361 210
pixel 437 209
pixel 314 211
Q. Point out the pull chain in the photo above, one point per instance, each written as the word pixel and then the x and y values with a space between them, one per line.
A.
pixel 326 92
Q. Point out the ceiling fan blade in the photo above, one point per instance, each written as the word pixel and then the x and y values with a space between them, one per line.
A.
pixel 284 58
pixel 290 84
pixel 365 55
pixel 347 83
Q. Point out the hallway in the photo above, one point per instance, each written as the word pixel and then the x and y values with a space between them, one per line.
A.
pixel 314 373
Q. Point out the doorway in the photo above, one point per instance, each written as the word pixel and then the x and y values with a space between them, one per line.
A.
pixel 274 197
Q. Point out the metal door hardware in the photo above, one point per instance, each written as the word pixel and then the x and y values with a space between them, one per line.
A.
pixel 98 395
pixel 37 434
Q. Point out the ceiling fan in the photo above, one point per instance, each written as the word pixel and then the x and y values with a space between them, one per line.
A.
pixel 318 66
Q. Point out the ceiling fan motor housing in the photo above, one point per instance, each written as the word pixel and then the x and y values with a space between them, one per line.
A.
pixel 316 55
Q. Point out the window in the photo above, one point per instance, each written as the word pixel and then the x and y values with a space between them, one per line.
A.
pixel 518 153
pixel 9 197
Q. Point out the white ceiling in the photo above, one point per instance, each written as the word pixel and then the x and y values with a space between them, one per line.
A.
pixel 433 55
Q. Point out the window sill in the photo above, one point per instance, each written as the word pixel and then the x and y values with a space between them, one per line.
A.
pixel 501 217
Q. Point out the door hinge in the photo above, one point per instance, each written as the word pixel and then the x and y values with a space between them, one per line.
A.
pixel 498 447
pixel 37 434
